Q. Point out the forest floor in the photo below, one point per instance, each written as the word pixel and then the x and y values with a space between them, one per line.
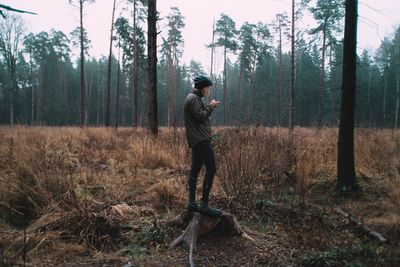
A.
pixel 100 197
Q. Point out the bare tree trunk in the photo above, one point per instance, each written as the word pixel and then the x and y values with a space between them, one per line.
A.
pixel 83 87
pixel 63 86
pixel 251 82
pixel 369 99
pixel 11 89
pixel 118 88
pixel 40 94
pixel 175 78
pixel 397 107
pixel 169 107
pixel 33 90
pixel 225 100
pixel 397 75
pixel 88 97
pixel 384 95
pixel 346 177
pixel 98 102
pixel 332 92
pixel 108 105
pixel 65 102
pixel 322 81
pixel 135 77
pixel 152 60
pixel 292 80
pixel 240 93
pixel 212 57
pixel 281 86
pixel 280 77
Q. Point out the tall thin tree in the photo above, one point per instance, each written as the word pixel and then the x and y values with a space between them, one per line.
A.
pixel 117 108
pixel 346 176
pixel 152 115
pixel 226 32
pixel 396 44
pixel 212 45
pixel 108 104
pixel 81 3
pixel 293 69
pixel 281 26
pixel 135 69
pixel 174 45
pixel 328 15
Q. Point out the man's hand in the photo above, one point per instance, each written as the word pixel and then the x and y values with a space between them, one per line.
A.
pixel 214 103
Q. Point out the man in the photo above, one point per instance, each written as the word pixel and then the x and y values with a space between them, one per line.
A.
pixel 198 133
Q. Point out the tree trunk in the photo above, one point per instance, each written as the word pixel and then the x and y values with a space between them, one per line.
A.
pixel 397 75
pixel 33 90
pixel 88 85
pixel 135 77
pixel 212 58
pixel 384 95
pixel 322 81
pixel 169 104
pixel 63 86
pixel 280 78
pixel 39 93
pixel 175 78
pixel 83 87
pixel 346 177
pixel 332 92
pixel 152 62
pixel 369 99
pixel 98 102
pixel 292 80
pixel 225 88
pixel 11 90
pixel 118 88
pixel 108 105
pixel 396 120
pixel 240 94
pixel 251 104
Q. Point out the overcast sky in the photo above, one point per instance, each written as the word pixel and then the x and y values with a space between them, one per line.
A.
pixel 378 18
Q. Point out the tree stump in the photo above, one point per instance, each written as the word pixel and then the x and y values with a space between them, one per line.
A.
pixel 201 224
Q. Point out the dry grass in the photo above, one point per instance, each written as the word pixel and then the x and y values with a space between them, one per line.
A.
pixel 316 155
pixel 64 183
pixel 249 160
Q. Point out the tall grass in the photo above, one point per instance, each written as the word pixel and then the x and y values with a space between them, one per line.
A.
pixel 49 175
pixel 250 159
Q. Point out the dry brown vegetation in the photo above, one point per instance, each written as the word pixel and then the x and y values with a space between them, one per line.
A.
pixel 99 196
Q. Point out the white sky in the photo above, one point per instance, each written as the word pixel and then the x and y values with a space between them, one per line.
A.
pixel 378 18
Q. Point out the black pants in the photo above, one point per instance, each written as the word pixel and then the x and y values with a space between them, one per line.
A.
pixel 202 153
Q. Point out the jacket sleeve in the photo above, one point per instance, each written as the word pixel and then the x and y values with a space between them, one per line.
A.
pixel 198 111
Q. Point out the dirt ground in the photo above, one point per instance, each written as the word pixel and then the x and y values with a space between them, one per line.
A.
pixel 286 233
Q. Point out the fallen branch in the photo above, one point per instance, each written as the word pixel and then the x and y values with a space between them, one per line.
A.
pixel 200 225
pixel 356 221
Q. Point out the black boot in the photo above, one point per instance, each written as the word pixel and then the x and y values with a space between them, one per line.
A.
pixel 204 207
pixel 192 207
pixel 208 210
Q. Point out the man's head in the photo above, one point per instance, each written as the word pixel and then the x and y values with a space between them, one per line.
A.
pixel 203 84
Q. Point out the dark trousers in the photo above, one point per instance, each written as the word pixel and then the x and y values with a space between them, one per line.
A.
pixel 202 153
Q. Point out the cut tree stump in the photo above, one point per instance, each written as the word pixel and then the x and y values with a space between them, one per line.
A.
pixel 202 224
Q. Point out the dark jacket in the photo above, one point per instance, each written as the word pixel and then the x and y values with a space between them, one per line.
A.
pixel 197 122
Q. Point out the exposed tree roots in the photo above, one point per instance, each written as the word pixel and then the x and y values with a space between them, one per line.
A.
pixel 200 225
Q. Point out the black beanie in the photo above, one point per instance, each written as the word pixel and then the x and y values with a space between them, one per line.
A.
pixel 202 81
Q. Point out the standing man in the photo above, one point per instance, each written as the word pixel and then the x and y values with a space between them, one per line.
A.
pixel 198 133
